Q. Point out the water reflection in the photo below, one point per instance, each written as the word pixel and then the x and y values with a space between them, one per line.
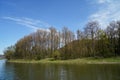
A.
pixel 16 71
pixel 6 72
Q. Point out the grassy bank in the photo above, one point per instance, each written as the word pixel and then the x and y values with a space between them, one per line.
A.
pixel 72 61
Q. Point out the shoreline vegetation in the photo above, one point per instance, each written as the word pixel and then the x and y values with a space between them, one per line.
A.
pixel 90 45
pixel 91 60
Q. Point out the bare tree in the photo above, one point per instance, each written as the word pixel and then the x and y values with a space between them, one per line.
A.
pixel 111 31
pixel 91 30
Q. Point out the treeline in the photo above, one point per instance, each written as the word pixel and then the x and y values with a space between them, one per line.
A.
pixel 65 44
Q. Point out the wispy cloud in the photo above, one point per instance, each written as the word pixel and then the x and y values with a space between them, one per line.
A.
pixel 108 10
pixel 30 23
pixel 103 1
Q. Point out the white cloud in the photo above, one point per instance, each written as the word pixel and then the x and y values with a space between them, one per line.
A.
pixel 108 11
pixel 101 1
pixel 104 1
pixel 30 23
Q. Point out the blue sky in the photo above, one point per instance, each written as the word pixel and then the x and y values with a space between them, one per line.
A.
pixel 21 17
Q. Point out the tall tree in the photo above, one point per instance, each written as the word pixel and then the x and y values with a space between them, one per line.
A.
pixel 112 36
pixel 67 37
pixel 54 39
pixel 91 30
pixel 9 52
pixel 118 31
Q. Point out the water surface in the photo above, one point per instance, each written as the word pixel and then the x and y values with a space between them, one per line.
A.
pixel 22 71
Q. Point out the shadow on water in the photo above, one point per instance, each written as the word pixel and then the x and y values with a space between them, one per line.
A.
pixel 17 71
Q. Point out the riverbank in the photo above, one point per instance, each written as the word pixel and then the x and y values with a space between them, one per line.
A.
pixel 114 60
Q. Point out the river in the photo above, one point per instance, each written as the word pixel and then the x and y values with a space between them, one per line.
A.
pixel 22 71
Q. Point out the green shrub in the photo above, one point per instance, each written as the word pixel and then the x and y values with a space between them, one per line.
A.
pixel 56 55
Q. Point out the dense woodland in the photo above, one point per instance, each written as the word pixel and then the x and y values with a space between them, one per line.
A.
pixel 92 41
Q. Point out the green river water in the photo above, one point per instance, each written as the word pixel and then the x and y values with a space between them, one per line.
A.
pixel 22 71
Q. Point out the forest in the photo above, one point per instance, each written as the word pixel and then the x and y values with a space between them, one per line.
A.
pixel 92 41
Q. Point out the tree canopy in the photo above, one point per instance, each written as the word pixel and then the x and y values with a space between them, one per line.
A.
pixel 65 44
